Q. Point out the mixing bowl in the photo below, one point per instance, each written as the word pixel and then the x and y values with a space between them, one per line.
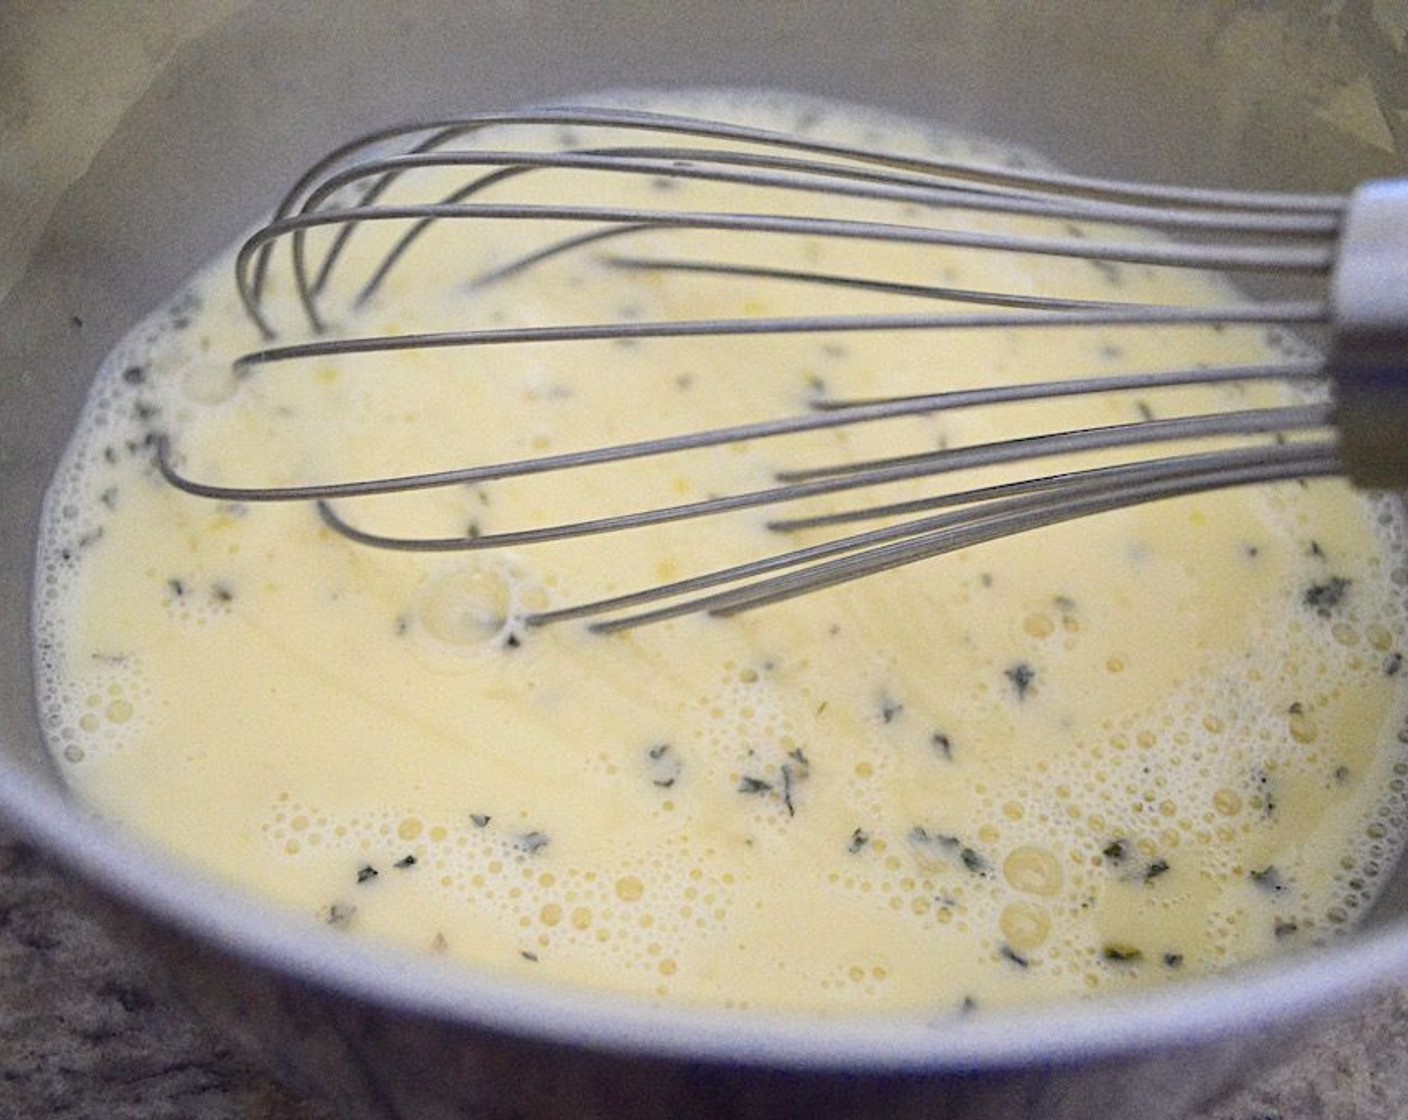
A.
pixel 136 139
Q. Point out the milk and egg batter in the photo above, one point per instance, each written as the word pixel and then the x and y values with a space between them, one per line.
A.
pixel 1113 753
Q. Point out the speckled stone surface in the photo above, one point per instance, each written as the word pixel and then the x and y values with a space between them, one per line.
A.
pixel 86 1033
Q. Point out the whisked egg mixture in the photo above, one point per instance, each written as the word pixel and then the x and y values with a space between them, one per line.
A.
pixel 1134 748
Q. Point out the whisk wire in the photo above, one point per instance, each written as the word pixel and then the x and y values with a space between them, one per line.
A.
pixel 1043 502
pixel 1284 234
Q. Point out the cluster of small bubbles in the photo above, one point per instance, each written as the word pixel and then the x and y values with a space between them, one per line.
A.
pixel 632 914
pixel 102 716
pixel 106 710
pixel 294 828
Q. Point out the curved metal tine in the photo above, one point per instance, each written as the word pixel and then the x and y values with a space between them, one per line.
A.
pixel 545 464
pixel 830 415
pixel 289 203
pixel 946 533
pixel 831 179
pixel 374 192
pixel 1037 514
pixel 406 240
pixel 1034 178
pixel 635 119
pixel 1252 421
pixel 569 244
pixel 858 283
pixel 1001 452
pixel 1292 371
pixel 440 132
pixel 1310 313
pixel 443 131
pixel 1174 254
pixel 388 170
pixel 1098 479
pixel 925 291
pixel 1094 477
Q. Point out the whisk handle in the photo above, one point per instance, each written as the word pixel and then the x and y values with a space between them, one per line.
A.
pixel 1369 350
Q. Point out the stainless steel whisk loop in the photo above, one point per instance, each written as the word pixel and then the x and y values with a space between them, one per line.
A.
pixel 1354 248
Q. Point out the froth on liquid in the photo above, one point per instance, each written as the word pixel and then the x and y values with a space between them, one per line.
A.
pixel 1135 748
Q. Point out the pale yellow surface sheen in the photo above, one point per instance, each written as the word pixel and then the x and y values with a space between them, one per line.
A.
pixel 1107 754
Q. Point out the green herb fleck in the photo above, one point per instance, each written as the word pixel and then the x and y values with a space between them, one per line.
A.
pixel 859 839
pixel 1116 851
pixel 1155 869
pixel 1324 597
pixel 942 745
pixel 949 848
pixel 1021 675
pixel 1118 953
pixel 664 765
pixel 754 785
pixel 1268 793
pixel 405 862
pixel 1173 960
pixel 340 914
pixel 797 770
pixel 1110 270
pixel 1268 879
pixel 366 873
pixel 1007 953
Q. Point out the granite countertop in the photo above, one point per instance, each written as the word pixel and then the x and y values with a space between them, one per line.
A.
pixel 87 1034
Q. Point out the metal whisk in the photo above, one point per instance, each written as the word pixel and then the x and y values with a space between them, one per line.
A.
pixel 1354 247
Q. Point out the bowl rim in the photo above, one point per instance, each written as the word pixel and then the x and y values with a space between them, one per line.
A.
pixel 1273 994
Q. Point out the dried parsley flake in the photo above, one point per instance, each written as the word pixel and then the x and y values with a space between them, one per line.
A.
pixel 1021 675
pixel 1324 597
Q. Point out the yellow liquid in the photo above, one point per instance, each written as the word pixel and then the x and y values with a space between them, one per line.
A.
pixel 1113 753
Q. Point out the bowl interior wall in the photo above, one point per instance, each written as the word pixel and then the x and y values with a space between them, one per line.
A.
pixel 1224 93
